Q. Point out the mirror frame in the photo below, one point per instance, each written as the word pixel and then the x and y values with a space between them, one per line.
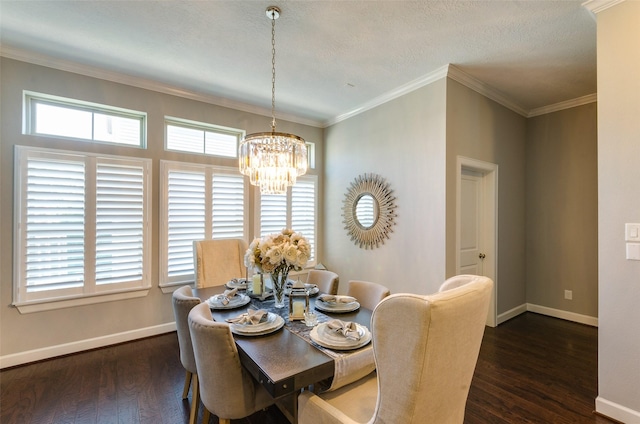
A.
pixel 375 186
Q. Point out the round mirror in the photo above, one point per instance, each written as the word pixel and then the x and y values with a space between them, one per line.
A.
pixel 368 211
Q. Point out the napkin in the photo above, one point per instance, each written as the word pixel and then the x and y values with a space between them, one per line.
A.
pixel 251 317
pixel 330 298
pixel 225 297
pixel 347 328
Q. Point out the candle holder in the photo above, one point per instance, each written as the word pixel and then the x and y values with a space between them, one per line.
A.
pixel 298 302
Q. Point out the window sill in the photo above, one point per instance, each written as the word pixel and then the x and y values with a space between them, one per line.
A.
pixel 52 304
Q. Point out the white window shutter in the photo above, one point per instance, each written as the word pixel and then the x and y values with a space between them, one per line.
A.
pixel 303 210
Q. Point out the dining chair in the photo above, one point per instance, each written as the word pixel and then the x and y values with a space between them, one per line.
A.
pixel 226 387
pixel 457 281
pixel 426 349
pixel 218 261
pixel 326 281
pixel 183 302
pixel 367 293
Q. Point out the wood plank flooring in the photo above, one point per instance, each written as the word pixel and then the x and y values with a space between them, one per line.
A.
pixel 531 369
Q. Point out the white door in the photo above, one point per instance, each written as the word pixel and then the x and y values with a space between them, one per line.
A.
pixel 477 224
pixel 471 219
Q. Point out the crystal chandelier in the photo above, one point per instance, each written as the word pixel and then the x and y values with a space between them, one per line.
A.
pixel 273 160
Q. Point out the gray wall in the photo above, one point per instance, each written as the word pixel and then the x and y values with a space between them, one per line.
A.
pixel 142 316
pixel 562 210
pixel 618 203
pixel 481 129
pixel 404 142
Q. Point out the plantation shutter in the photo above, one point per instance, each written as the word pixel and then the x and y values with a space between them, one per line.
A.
pixel 303 210
pixel 228 200
pixel 273 213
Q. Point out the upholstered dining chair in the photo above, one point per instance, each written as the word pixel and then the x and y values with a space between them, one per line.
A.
pixel 326 281
pixel 426 349
pixel 226 387
pixel 218 261
pixel 183 302
pixel 368 294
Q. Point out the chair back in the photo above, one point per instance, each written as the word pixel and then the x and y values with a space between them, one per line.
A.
pixel 183 301
pixel 218 261
pixel 226 388
pixel 368 294
pixel 326 281
pixel 426 349
pixel 457 281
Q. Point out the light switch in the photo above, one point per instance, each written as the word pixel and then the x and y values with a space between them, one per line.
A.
pixel 633 251
pixel 632 232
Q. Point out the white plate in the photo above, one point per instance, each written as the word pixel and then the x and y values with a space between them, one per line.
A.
pixel 237 283
pixel 274 322
pixel 332 339
pixel 215 302
pixel 336 307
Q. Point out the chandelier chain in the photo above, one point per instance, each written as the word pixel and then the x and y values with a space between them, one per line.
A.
pixel 273 73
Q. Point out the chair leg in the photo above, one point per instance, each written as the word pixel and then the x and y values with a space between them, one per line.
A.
pixel 205 416
pixel 187 383
pixel 195 400
pixel 224 421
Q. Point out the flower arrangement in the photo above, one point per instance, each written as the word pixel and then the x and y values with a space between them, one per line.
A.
pixel 277 253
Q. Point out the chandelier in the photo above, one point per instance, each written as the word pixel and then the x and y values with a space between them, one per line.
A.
pixel 273 160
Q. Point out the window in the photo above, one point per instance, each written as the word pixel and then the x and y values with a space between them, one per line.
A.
pixel 69 118
pixel 198 137
pixel 199 202
pixel 296 210
pixel 82 225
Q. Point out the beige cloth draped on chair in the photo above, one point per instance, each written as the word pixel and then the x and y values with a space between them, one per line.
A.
pixel 426 349
pixel 226 387
pixel 326 281
pixel 218 261
pixel 183 301
pixel 368 294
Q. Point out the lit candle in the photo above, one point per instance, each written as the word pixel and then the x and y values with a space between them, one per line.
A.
pixel 298 309
pixel 257 284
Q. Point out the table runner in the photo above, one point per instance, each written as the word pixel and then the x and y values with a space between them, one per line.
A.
pixel 350 365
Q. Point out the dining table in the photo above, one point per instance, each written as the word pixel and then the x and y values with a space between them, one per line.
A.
pixel 287 361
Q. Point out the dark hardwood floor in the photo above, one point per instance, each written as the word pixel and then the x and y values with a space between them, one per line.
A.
pixel 532 369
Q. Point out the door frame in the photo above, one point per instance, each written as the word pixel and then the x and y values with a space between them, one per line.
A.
pixel 489 172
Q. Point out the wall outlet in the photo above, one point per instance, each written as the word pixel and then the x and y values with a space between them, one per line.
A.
pixel 568 294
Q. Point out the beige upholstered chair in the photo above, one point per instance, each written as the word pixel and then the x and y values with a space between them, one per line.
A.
pixel 368 294
pixel 218 261
pixel 457 281
pixel 183 302
pixel 326 281
pixel 226 388
pixel 426 349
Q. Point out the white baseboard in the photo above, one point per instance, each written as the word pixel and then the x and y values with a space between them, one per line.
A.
pixel 512 313
pixel 557 313
pixel 81 345
pixel 617 412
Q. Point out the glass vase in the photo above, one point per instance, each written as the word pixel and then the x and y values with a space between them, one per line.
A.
pixel 279 282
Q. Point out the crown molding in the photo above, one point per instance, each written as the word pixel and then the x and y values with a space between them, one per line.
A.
pixel 393 94
pixel 597 6
pixel 144 83
pixel 589 98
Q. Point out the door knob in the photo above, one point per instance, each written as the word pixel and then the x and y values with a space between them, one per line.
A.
pixel 482 256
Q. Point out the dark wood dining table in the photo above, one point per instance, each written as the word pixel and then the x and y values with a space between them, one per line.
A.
pixel 283 362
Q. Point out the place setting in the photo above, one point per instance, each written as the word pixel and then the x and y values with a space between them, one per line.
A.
pixel 336 303
pixel 340 335
pixel 230 299
pixel 255 322
pixel 237 283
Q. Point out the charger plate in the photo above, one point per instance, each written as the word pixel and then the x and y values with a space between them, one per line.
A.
pixel 336 308
pixel 326 337
pixel 273 323
pixel 215 302
pixel 237 283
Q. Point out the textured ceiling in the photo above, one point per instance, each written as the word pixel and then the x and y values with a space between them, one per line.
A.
pixel 333 57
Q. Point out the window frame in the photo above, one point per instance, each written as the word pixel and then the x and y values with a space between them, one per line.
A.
pixel 32 99
pixel 90 292
pixel 165 282
pixel 205 127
